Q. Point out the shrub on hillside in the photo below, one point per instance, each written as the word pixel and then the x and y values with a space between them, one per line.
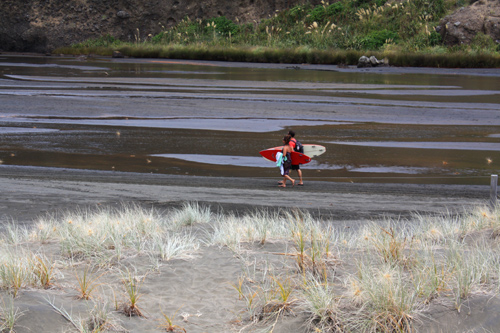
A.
pixel 223 26
pixel 377 39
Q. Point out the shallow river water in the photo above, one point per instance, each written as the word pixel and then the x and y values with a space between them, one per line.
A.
pixel 211 119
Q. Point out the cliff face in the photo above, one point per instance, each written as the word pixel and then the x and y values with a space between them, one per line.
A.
pixel 42 25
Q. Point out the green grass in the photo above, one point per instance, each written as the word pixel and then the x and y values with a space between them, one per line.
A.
pixel 337 33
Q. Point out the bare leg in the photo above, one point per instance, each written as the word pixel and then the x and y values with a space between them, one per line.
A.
pixel 299 172
pixel 285 177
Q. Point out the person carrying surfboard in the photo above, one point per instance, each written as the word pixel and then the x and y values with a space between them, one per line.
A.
pixel 287 161
pixel 293 143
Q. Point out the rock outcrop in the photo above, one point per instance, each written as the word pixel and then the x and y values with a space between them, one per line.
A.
pixel 465 23
pixel 372 61
pixel 42 25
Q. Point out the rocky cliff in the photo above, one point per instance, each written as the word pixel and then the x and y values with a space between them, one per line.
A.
pixel 42 25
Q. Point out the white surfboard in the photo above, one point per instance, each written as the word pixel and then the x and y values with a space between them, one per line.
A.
pixel 313 150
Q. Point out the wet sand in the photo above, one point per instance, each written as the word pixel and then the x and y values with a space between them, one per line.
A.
pixel 28 192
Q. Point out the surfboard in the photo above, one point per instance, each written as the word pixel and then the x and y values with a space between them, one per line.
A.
pixel 297 158
pixel 310 150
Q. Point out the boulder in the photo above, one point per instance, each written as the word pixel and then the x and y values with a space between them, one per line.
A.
pixel 372 61
pixel 117 54
pixel 364 61
pixel 463 25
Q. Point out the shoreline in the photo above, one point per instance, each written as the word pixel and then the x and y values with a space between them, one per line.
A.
pixel 32 191
pixel 298 66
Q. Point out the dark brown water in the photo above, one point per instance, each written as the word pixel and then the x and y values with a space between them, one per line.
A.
pixel 209 119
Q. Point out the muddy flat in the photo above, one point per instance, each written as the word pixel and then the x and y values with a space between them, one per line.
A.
pixel 162 132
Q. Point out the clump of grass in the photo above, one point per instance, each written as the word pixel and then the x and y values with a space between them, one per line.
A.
pixel 261 227
pixel 131 284
pixel 14 276
pixel 107 235
pixel 388 298
pixel 9 315
pixel 321 301
pixel 169 245
pixel 312 255
pixel 15 234
pixel 43 270
pixel 167 323
pixel 275 300
pixel 431 275
pixel 470 270
pixel 312 244
pixel 22 268
pixel 101 319
pixel 87 283
pixel 190 213
pixel 391 246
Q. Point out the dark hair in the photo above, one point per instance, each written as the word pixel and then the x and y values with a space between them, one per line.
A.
pixel 287 139
pixel 291 133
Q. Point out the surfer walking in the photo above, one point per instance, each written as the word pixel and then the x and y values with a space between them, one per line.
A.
pixel 287 161
pixel 296 167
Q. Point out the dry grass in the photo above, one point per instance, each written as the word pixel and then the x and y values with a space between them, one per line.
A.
pixel 380 277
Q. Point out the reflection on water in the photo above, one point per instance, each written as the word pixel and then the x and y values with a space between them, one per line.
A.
pixel 245 161
pixel 491 146
pixel 199 118
pixel 238 125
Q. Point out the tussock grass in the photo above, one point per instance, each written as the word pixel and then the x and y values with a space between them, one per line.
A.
pixel 379 277
pixel 87 283
pixel 401 268
pixel 105 236
pixel 21 268
pixel 190 213
pixel 9 314
pixel 169 245
pixel 389 298
pixel 167 323
pixel 131 285
pixel 323 304
pixel 108 235
pixel 232 231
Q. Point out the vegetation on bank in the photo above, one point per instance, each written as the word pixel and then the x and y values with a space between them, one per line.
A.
pixel 339 33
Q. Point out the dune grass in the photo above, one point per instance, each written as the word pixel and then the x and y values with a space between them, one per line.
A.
pixel 401 267
pixel 9 315
pixel 381 276
pixel 108 235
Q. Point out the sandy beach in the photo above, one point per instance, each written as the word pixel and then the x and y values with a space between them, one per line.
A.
pixel 95 177
pixel 198 292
